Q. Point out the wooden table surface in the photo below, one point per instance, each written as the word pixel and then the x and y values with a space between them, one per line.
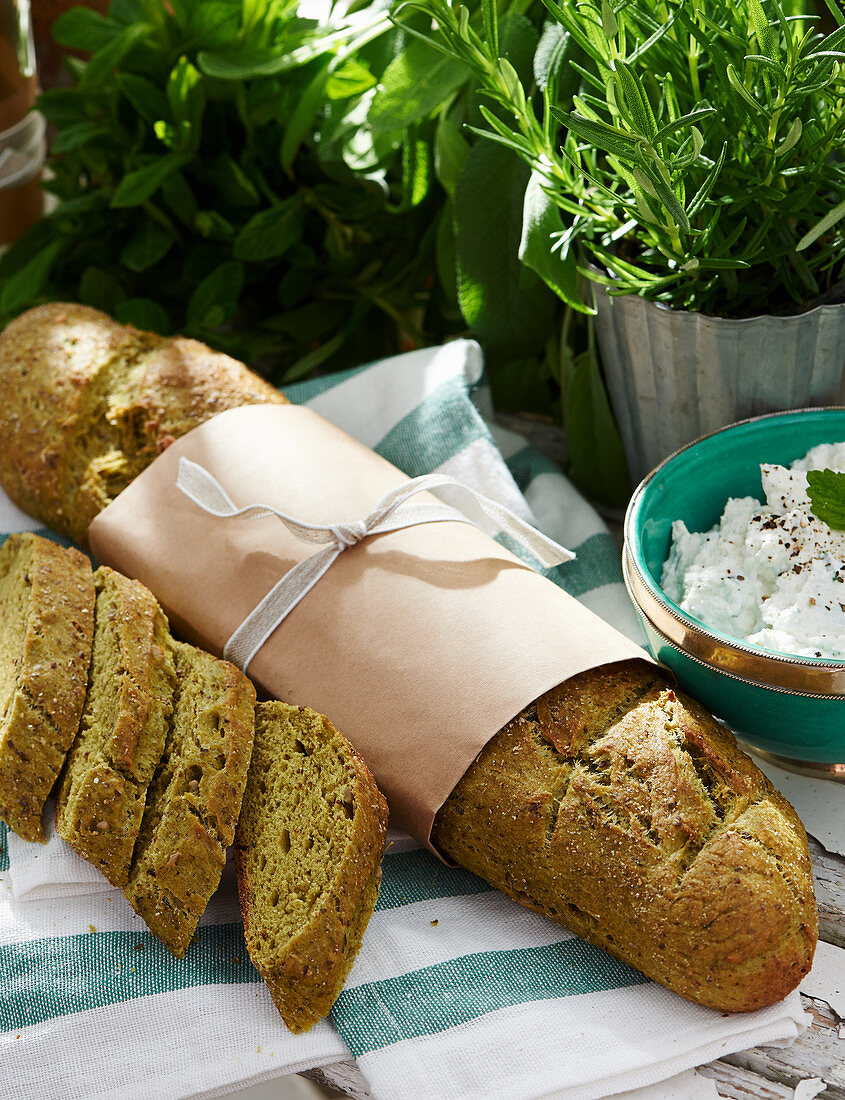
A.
pixel 768 1072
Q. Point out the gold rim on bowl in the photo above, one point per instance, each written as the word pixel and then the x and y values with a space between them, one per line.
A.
pixel 799 675
pixel 768 670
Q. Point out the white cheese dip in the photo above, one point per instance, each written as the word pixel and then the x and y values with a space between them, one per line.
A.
pixel 770 574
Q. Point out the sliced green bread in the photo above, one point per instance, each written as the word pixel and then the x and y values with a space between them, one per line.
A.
pixel 121 737
pixel 46 627
pixel 194 800
pixel 308 850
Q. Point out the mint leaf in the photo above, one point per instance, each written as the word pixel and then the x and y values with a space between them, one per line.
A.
pixel 826 490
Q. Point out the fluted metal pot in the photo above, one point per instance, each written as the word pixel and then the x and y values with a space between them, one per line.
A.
pixel 673 376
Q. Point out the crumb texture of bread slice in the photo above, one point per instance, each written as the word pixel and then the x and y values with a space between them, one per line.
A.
pixel 623 810
pixel 122 734
pixel 308 849
pixel 86 404
pixel 46 629
pixel 195 798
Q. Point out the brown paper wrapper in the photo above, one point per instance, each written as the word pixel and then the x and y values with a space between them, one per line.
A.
pixel 419 645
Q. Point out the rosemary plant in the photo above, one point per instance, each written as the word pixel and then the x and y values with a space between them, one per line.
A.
pixel 700 163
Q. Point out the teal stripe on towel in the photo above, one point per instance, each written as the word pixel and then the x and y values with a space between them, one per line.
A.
pixel 417 876
pixel 427 1001
pixel 596 563
pixel 443 425
pixel 4 847
pixel 303 392
pixel 47 978
pixel 69 974
pixel 528 463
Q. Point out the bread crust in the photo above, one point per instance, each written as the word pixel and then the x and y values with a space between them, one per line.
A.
pixel 620 808
pixel 104 783
pixel 306 973
pixel 194 801
pixel 48 690
pixel 86 404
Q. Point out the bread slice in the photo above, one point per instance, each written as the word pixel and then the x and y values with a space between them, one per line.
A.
pixel 121 738
pixel 308 851
pixel 46 626
pixel 195 798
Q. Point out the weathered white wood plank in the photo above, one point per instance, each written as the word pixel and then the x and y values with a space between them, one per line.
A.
pixel 817 1052
pixel 345 1077
pixel 741 1084
pixel 829 871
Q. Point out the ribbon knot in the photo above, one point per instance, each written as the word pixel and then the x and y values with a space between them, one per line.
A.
pixel 392 513
pixel 348 534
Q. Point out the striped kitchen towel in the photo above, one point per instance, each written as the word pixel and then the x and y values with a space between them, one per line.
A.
pixel 457 992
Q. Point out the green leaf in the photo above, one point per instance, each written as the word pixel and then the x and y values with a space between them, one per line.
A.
pixel 415 84
pixel 180 199
pixel 127 11
pixel 83 29
pixel 23 287
pixel 609 138
pixel 738 86
pixel 594 448
pixel 416 172
pixel 148 100
pixel 609 25
pixel 148 244
pixel 762 30
pixel 314 358
pixel 214 25
pixel 186 95
pixel 445 254
pixel 550 53
pixel 271 233
pixel 108 57
pixel 352 78
pixel 81 204
pixel 74 136
pixel 681 123
pixel 539 246
pixel 243 65
pixel 636 101
pixel 826 490
pixel 450 153
pixel 138 186
pixel 821 227
pixel 301 120
pixel 99 289
pixel 215 299
pixel 490 22
pixel 506 305
pixel 211 224
pixel 792 138
pixel 64 107
pixel 230 180
pixel 144 314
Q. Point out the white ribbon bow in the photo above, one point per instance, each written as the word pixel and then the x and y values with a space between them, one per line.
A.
pixel 391 514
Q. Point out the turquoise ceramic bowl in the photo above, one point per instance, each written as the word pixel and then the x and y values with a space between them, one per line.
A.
pixel 792 707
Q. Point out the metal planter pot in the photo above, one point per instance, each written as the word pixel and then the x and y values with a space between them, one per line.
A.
pixel 673 376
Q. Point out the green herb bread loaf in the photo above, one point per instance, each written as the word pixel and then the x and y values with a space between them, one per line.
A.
pixel 194 801
pixel 46 626
pixel 121 737
pixel 86 404
pixel 308 851
pixel 621 809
